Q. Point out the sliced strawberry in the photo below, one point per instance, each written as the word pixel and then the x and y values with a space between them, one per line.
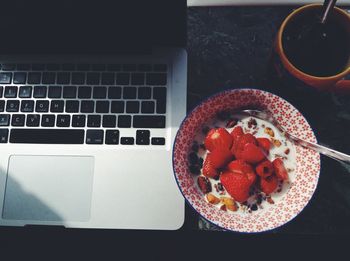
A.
pixel 264 143
pixel 239 166
pixel 220 157
pixel 236 133
pixel 264 169
pixel 269 184
pixel 279 168
pixel 208 168
pixel 252 154
pixel 217 139
pixel 240 143
pixel 236 184
pixel 252 177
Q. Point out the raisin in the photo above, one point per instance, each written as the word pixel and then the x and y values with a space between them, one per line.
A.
pixel 200 162
pixel 204 184
pixel 194 169
pixel 254 207
pixel 205 130
pixel 220 187
pixel 195 147
pixel 231 123
pixel 193 158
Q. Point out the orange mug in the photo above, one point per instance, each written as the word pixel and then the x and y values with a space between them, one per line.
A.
pixel 288 71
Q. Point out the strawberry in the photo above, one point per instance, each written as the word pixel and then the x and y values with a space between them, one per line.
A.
pixel 208 169
pixel 264 143
pixel 279 168
pixel 236 184
pixel 264 169
pixel 217 139
pixel 236 133
pixel 251 177
pixel 240 143
pixel 220 157
pixel 269 184
pixel 252 153
pixel 241 166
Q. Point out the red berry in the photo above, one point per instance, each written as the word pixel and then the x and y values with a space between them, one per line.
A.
pixel 264 169
pixel 217 139
pixel 279 168
pixel 220 157
pixel 252 154
pixel 264 143
pixel 240 166
pixel 208 168
pixel 236 184
pixel 252 177
pixel 240 143
pixel 269 184
pixel 236 133
pixel 204 184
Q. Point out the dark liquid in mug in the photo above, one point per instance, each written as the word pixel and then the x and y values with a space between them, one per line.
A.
pixel 316 49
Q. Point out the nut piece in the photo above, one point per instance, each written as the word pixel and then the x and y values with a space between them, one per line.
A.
pixel 204 184
pixel 275 142
pixel 229 203
pixel 287 151
pixel 270 200
pixel 269 131
pixel 212 199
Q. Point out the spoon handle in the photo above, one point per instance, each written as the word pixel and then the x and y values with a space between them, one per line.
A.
pixel 327 7
pixel 337 155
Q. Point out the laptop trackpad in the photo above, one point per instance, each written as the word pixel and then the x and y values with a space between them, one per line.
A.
pixel 49 188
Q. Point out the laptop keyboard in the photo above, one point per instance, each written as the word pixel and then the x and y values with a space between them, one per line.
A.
pixel 82 103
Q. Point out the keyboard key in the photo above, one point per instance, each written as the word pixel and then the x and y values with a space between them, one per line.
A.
pixel 63 121
pixel 53 67
pixel 102 106
pixel 83 67
pixel 158 141
pixel 1 90
pixel 98 67
pixel 42 106
pixel 33 120
pixel 8 66
pixel 93 78
pixel 114 67
pixel 63 78
pixel 19 78
pixel 72 106
pixel 4 134
pixel 127 141
pixel 144 93
pixel 145 67
pixel 108 78
pixel 40 91
pixel 94 136
pixel 123 78
pixel 10 92
pixel 159 94
pixel 156 78
pixel 129 92
pixel 78 121
pixel 12 106
pixel 48 120
pixel 38 67
pixel 114 92
pixel 94 121
pixel 87 106
pixel 4 119
pixel 132 107
pixel 112 137
pixel 109 121
pixel 55 91
pixel 137 79
pixel 68 67
pixel 47 136
pixel 34 78
pixel 160 68
pixel 69 92
pixel 143 137
pixel 78 78
pixel 146 121
pixel 129 67
pixel 57 106
pixel 117 107
pixel 147 107
pixel 25 92
pixel 27 106
pixel 2 105
pixel 99 92
pixel 5 77
pixel 48 78
pixel 23 67
pixel 124 121
pixel 18 120
pixel 84 92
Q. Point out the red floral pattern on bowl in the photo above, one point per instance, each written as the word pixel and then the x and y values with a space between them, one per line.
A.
pixel 307 162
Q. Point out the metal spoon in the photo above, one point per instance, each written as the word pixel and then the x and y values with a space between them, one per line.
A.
pixel 327 6
pixel 314 146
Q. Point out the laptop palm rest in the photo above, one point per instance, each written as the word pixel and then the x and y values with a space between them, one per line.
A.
pixel 48 188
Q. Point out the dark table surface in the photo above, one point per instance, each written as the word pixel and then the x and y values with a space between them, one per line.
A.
pixel 230 47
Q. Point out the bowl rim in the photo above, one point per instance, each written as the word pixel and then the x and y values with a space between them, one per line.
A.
pixel 212 96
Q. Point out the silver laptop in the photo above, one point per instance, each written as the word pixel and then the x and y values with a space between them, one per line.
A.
pixel 91 96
